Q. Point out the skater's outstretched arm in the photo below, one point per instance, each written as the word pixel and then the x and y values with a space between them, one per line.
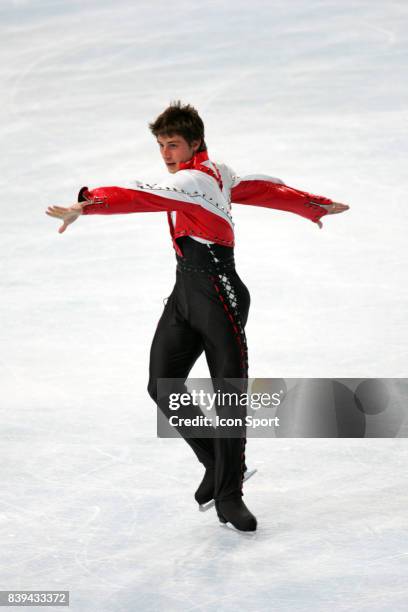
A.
pixel 262 190
pixel 182 192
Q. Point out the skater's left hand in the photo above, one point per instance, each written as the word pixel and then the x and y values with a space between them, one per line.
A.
pixel 333 209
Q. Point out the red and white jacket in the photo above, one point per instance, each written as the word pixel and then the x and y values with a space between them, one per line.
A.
pixel 201 192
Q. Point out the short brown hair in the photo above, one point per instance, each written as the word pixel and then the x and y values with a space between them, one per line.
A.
pixel 180 119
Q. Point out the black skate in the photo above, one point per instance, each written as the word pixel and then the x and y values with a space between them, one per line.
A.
pixel 205 492
pixel 234 511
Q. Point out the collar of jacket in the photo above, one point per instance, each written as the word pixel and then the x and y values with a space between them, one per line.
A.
pixel 197 163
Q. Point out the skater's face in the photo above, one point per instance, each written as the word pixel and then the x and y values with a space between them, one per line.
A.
pixel 175 149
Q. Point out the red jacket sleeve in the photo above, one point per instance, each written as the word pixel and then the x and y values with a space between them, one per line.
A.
pixel 120 200
pixel 264 192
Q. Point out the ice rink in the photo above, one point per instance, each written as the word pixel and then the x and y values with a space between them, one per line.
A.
pixel 312 92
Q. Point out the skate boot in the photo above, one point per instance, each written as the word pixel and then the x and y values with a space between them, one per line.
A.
pixel 233 510
pixel 205 491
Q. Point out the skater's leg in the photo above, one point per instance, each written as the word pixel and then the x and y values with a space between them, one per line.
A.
pixel 175 349
pixel 226 352
pixel 222 329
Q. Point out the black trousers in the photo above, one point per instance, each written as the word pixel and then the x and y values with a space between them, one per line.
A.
pixel 206 311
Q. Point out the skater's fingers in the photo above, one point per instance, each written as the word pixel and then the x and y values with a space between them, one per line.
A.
pixel 335 208
pixel 63 213
pixel 338 207
pixel 58 208
pixel 52 213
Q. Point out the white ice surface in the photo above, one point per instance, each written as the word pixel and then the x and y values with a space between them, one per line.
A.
pixel 312 92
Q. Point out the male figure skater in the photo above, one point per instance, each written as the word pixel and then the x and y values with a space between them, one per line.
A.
pixel 208 307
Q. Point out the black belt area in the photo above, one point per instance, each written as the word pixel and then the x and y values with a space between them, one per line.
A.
pixel 213 268
pixel 205 259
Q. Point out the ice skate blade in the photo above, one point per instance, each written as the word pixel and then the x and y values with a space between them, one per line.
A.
pixel 207 506
pixel 249 473
pixel 226 525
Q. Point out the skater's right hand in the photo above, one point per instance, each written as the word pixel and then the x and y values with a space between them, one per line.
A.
pixel 333 209
pixel 69 215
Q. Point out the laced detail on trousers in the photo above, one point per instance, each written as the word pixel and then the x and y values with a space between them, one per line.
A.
pixel 228 297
